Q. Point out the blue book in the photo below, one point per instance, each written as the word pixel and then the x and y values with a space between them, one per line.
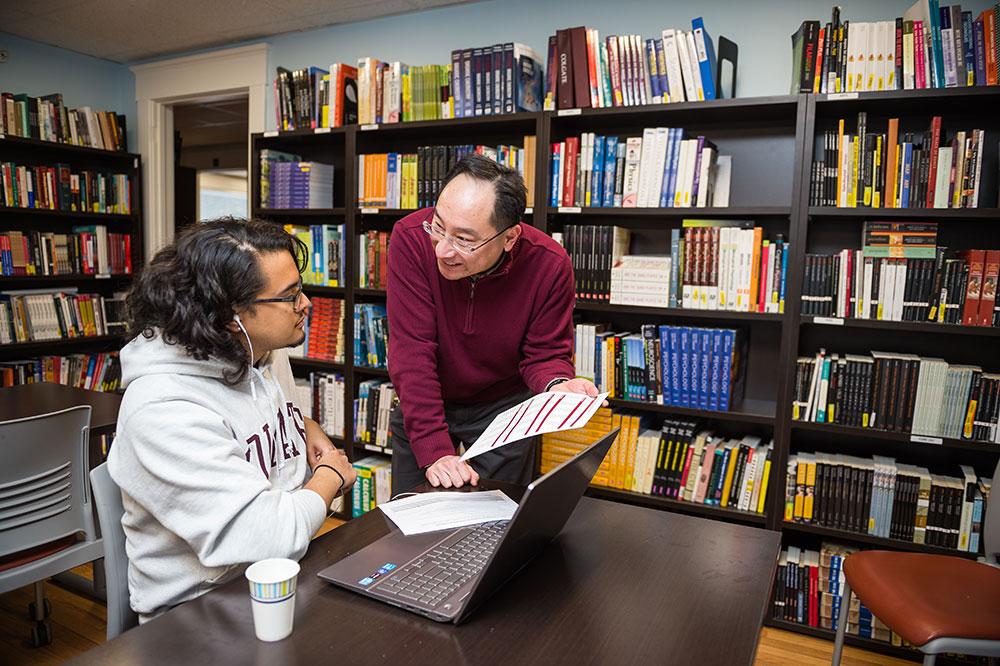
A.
pixel 610 171
pixel 715 390
pixel 934 13
pixel 654 78
pixel 597 185
pixel 824 376
pixel 676 387
pixel 784 277
pixel 706 56
pixel 661 67
pixel 665 180
pixel 705 372
pixel 968 50
pixel 907 161
pixel 726 360
pixel 554 194
pixel 979 51
pixel 687 364
pixel 671 185
pixel 977 519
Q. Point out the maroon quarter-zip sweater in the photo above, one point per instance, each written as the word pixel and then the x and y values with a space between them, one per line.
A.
pixel 466 341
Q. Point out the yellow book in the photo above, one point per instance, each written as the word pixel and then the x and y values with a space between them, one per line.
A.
pixel 630 446
pixel 852 197
pixel 325 108
pixel 800 485
pixel 807 508
pixel 730 469
pixel 762 495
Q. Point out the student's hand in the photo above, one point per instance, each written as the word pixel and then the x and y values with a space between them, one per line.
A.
pixel 579 385
pixel 317 443
pixel 338 460
pixel 451 471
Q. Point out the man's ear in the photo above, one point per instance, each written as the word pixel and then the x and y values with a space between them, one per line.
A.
pixel 511 237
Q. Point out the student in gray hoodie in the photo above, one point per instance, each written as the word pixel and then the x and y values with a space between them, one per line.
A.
pixel 217 467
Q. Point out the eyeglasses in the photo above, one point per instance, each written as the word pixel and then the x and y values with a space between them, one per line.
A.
pixel 464 247
pixel 292 298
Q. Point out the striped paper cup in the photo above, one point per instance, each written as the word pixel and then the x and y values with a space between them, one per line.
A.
pixel 272 597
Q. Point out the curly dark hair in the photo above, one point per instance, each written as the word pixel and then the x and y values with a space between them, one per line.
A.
pixel 191 289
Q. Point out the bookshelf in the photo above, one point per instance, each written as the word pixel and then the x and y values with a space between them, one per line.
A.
pixel 35 152
pixel 772 143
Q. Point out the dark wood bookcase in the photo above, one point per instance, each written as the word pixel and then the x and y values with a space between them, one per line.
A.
pixel 772 141
pixel 47 153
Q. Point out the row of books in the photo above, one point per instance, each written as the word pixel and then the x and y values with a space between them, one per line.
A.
pixel 905 393
pixel 628 70
pixel 712 265
pixel 413 180
pixel 494 80
pixel 809 589
pixel 955 287
pixel 36 315
pixel 680 460
pixel 881 497
pixel 88 250
pixel 58 187
pixel 295 184
pixel 373 485
pixel 682 366
pixel 47 118
pixel 95 372
pixel 371 335
pixel 324 330
pixel 310 97
pixel 372 408
pixel 396 92
pixel 373 260
pixel 326 245
pixel 902 170
pixel 662 168
pixel 930 46
pixel 324 392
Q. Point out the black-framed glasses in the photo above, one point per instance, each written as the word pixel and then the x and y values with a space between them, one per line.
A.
pixel 292 298
pixel 461 246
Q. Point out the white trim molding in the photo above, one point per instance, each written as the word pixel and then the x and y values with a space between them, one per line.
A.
pixel 222 74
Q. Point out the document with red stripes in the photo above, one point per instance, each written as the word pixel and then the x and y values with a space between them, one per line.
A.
pixel 545 412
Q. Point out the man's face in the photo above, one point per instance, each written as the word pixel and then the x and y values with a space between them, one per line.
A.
pixel 463 212
pixel 277 325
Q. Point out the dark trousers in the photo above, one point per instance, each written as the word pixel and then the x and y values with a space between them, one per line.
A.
pixel 513 463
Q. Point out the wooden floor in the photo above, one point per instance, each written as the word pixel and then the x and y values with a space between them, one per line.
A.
pixel 78 624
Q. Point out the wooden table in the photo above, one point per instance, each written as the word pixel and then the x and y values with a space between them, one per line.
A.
pixel 621 584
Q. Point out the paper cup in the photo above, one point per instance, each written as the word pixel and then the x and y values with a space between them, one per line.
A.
pixel 272 597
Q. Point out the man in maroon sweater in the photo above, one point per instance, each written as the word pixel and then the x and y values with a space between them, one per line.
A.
pixel 480 318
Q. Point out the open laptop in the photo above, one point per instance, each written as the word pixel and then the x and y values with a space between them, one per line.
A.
pixel 446 575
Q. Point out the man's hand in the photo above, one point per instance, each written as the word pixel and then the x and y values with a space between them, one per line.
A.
pixel 578 385
pixel 317 443
pixel 451 471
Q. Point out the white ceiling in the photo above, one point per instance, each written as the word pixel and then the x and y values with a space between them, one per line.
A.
pixel 130 30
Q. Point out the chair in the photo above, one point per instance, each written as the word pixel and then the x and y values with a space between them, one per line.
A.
pixel 108 498
pixel 938 603
pixel 46 518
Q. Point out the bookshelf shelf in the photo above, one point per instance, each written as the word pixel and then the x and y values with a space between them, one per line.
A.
pixel 486 123
pixel 657 502
pixel 373 448
pixel 9 142
pixel 59 346
pixel 316 363
pixel 371 372
pixel 645 213
pixel 680 313
pixel 370 293
pixel 867 539
pixel 69 278
pixel 298 212
pixel 904 326
pixel 385 212
pixel 929 214
pixel 871 433
pixel 741 109
pixel 100 218
pixel 320 290
pixel 750 411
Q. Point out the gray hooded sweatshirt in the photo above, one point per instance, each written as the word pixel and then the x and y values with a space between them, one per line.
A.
pixel 211 474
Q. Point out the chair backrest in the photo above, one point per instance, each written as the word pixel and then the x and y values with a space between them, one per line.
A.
pixel 991 521
pixel 44 489
pixel 108 499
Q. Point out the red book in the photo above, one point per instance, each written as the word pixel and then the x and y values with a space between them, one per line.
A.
pixel 990 35
pixel 581 67
pixel 569 171
pixel 988 294
pixel 613 70
pixel 970 312
pixel 819 61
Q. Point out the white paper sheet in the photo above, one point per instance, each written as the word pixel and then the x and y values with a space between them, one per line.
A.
pixel 545 412
pixel 429 512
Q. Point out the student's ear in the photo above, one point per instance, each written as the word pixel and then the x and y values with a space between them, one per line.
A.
pixel 232 326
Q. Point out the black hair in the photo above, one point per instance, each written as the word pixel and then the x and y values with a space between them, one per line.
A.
pixel 191 288
pixel 511 194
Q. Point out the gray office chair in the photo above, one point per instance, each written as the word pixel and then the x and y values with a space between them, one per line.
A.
pixel 46 518
pixel 108 498
pixel 938 603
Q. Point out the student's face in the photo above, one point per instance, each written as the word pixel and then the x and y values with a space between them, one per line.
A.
pixel 276 325
pixel 463 213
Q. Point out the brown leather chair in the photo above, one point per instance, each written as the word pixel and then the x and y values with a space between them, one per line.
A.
pixel 938 603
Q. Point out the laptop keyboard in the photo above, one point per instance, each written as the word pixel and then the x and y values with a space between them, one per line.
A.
pixel 436 574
